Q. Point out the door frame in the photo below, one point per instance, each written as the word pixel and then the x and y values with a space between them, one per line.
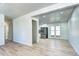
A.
pixel 37 24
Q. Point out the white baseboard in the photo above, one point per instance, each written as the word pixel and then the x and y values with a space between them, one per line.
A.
pixel 76 50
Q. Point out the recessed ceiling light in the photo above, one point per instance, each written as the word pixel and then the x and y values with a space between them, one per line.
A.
pixel 61 12
pixel 44 16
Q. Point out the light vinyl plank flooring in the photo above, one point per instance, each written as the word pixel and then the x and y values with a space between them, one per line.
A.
pixel 46 47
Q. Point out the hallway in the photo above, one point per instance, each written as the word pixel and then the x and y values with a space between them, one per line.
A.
pixel 46 47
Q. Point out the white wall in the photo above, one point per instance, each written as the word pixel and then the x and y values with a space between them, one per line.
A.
pixel 63 30
pixel 22 26
pixel 22 30
pixel 2 42
pixel 74 30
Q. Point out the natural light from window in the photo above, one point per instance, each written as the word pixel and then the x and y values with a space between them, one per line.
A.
pixel 55 30
pixel 52 30
pixel 58 30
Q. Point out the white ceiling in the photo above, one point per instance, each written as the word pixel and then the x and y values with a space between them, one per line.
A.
pixel 56 16
pixel 14 10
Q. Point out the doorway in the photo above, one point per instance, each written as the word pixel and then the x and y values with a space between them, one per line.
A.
pixel 8 29
pixel 34 31
pixel 55 31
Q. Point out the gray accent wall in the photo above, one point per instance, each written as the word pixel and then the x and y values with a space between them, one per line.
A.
pixel 73 25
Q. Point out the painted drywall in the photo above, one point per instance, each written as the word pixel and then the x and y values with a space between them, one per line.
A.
pixel 22 30
pixel 51 8
pixel 22 26
pixel 2 41
pixel 63 30
pixel 73 26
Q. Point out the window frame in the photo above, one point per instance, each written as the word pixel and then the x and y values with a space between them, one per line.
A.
pixel 52 30
pixel 56 30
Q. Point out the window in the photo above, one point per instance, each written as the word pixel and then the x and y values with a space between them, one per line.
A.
pixel 52 30
pixel 58 30
pixel 55 30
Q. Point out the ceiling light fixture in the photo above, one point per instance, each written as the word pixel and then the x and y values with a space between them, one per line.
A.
pixel 61 12
pixel 44 16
